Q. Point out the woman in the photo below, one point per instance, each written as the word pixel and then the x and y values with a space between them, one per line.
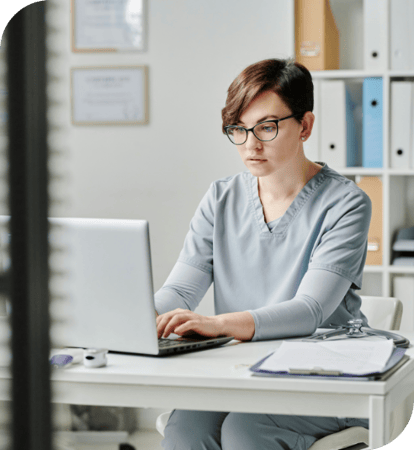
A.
pixel 284 242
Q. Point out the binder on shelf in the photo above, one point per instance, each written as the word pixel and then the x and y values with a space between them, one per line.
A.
pixel 404 291
pixel 411 150
pixel 401 123
pixel 339 145
pixel 375 39
pixel 312 145
pixel 372 186
pixel 372 133
pixel 316 35
pixel 402 34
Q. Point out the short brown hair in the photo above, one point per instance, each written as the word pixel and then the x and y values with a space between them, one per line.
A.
pixel 287 78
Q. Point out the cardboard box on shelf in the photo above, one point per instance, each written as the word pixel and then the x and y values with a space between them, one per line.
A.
pixel 316 35
pixel 373 188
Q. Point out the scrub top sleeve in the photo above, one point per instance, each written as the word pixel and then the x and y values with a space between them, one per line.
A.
pixel 198 244
pixel 319 294
pixel 342 246
pixel 184 288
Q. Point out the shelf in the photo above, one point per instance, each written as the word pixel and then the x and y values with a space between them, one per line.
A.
pixel 400 73
pixel 329 74
pixel 401 172
pixel 374 171
pixel 339 74
pixel 373 269
pixel 361 171
pixel 397 183
pixel 401 270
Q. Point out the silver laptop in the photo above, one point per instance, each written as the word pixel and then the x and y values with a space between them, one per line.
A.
pixel 106 278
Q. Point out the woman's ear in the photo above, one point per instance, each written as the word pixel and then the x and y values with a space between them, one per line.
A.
pixel 307 125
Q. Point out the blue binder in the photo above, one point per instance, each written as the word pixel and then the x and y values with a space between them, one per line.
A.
pixel 372 110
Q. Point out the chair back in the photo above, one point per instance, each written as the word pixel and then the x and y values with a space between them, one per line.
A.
pixel 383 313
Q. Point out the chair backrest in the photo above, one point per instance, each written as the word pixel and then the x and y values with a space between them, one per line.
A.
pixel 383 313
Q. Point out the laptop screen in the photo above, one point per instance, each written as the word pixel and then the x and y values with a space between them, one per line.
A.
pixel 107 281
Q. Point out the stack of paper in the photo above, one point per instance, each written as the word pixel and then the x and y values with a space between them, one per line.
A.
pixel 349 356
pixel 403 248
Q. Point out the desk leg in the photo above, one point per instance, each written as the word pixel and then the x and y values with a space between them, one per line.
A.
pixel 379 422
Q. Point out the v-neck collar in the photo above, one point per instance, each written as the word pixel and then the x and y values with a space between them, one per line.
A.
pixel 298 202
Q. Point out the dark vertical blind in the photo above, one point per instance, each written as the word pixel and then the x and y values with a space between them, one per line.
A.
pixel 28 207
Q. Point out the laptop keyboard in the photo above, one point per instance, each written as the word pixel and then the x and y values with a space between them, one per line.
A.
pixel 164 343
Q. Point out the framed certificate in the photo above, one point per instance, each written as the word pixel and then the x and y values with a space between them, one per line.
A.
pixel 108 26
pixel 109 95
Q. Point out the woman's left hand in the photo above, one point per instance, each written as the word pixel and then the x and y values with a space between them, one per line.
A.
pixel 184 322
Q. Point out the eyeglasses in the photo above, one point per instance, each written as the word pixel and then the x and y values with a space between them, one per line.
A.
pixel 264 131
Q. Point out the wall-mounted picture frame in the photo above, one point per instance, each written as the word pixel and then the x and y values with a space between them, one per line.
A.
pixel 109 95
pixel 115 26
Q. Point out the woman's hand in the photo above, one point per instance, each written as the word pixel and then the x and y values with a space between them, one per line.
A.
pixel 184 322
pixel 240 325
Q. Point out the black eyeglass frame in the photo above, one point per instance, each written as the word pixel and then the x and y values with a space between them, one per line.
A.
pixel 260 123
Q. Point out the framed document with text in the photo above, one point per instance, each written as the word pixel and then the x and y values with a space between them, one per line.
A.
pixel 109 95
pixel 108 26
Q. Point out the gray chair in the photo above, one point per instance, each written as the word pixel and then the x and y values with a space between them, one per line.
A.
pixel 383 313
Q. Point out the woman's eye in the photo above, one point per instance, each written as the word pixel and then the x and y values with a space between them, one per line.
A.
pixel 269 128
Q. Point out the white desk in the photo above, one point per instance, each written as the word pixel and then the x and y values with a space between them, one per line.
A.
pixel 218 380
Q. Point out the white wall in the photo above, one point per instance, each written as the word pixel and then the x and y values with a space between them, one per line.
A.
pixel 160 171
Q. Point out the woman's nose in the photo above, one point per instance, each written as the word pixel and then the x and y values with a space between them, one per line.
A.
pixel 252 141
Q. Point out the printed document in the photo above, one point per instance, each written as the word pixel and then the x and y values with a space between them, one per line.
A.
pixel 349 356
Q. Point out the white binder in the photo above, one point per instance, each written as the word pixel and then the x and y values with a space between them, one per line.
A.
pixel 402 34
pixel 312 145
pixel 401 98
pixel 375 35
pixel 412 128
pixel 338 135
pixel 333 137
pixel 404 291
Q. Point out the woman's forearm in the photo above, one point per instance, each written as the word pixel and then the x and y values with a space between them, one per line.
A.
pixel 238 324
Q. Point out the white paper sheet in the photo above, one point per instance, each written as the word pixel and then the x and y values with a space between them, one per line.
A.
pixel 351 356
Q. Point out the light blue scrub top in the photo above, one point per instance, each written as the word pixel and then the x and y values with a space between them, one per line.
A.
pixel 261 268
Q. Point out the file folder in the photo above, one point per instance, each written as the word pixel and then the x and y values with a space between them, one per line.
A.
pixel 375 35
pixel 372 122
pixel 316 35
pixel 372 186
pixel 312 145
pixel 339 146
pixel 401 123
pixel 402 34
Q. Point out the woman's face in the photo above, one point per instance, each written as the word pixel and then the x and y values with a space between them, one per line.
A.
pixel 265 158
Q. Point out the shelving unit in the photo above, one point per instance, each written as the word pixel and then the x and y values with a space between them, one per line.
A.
pixel 398 184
